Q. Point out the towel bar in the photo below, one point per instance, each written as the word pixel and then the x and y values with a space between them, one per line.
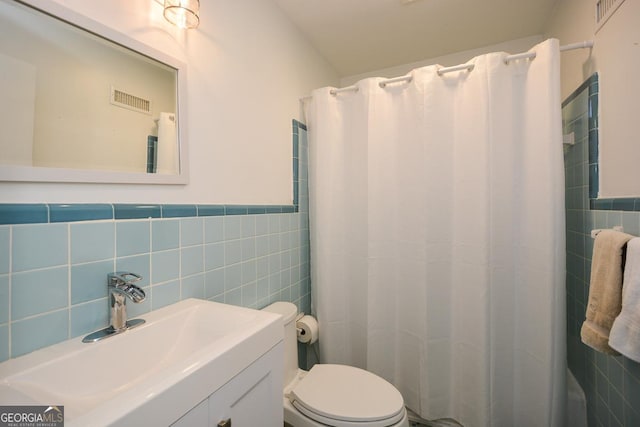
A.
pixel 595 232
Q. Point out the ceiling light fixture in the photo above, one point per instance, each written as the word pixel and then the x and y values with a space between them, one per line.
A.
pixel 182 13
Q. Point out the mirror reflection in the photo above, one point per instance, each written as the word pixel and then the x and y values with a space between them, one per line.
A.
pixel 73 100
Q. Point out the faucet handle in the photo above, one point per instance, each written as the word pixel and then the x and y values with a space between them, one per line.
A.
pixel 120 278
pixel 132 291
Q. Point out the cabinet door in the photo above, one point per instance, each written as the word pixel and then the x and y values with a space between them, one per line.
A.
pixel 196 417
pixel 253 397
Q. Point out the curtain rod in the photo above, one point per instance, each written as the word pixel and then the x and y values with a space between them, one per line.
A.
pixel 588 44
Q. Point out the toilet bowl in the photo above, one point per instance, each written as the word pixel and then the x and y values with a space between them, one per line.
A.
pixel 333 395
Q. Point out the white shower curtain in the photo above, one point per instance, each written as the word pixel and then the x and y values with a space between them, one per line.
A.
pixel 437 237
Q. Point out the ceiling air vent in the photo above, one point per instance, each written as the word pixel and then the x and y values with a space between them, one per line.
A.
pixel 604 10
pixel 130 102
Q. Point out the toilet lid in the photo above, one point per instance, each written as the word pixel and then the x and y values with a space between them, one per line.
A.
pixel 342 395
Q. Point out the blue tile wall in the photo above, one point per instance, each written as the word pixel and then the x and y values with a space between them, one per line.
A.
pixel 23 213
pixel 88 280
pixel 79 212
pixel 4 299
pixel 132 237
pixel 5 250
pixel 91 241
pixel 611 384
pixel 38 291
pixel 39 246
pixel 11 214
pixel 54 259
pixel 38 331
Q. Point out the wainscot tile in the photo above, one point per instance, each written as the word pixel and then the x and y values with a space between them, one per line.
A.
pixel 133 211
pixel 19 213
pixel 165 294
pixel 38 291
pixel 92 241
pixel 37 332
pixel 90 317
pixel 175 211
pixel 89 281
pixel 79 212
pixel 39 246
pixel 191 231
pixel 165 234
pixel 210 210
pixel 132 238
pixel 5 248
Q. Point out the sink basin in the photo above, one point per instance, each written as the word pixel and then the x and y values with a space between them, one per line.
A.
pixel 182 353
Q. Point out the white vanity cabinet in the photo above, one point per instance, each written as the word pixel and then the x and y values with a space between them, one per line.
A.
pixel 251 398
pixel 198 416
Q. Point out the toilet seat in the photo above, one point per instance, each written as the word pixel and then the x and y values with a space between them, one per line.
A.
pixel 344 396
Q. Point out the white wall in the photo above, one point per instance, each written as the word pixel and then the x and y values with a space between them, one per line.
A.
pixel 247 68
pixel 616 58
pixel 511 46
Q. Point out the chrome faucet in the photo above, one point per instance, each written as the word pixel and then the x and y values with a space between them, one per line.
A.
pixel 121 286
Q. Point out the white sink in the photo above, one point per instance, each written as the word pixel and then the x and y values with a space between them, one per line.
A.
pixel 182 353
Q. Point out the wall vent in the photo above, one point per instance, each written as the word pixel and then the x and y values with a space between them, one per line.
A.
pixel 604 10
pixel 130 102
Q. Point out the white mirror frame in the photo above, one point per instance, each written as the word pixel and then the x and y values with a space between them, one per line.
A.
pixel 45 174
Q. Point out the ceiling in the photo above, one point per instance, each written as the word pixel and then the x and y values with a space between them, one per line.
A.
pixel 358 36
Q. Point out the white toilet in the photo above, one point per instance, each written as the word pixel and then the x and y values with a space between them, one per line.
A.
pixel 333 395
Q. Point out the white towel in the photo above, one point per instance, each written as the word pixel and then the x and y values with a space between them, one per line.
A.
pixel 167 151
pixel 625 332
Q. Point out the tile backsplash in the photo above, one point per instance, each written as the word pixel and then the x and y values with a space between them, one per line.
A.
pixel 54 260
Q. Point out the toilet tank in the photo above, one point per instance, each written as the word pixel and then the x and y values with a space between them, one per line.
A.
pixel 288 311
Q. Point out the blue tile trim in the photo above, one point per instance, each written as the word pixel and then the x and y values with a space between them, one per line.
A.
pixel 623 204
pixel 295 170
pixel 133 211
pixel 626 204
pixel 594 185
pixel 152 153
pixel 601 204
pixel 17 213
pixel 210 210
pixel 27 213
pixel 298 124
pixel 177 211
pixel 256 210
pixel 593 111
pixel 274 209
pixel 593 146
pixel 80 212
pixel 236 210
pixel 594 172
pixel 296 162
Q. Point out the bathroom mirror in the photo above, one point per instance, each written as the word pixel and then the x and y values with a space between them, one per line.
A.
pixel 82 102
